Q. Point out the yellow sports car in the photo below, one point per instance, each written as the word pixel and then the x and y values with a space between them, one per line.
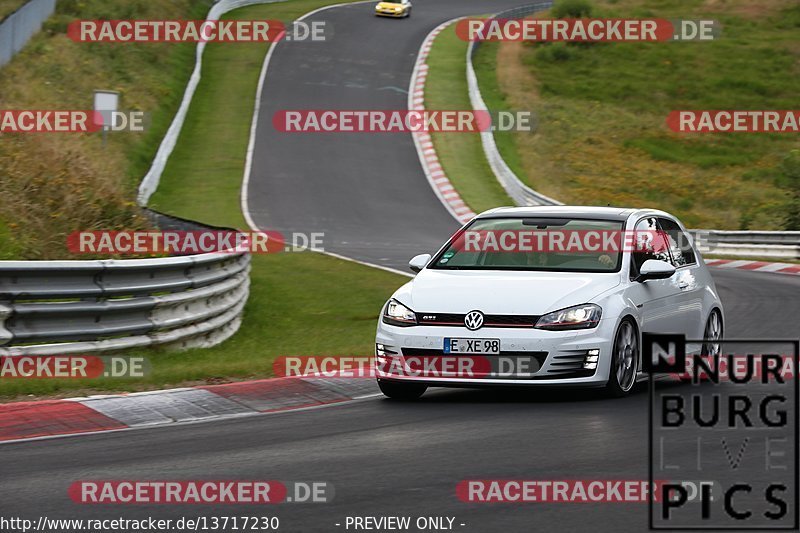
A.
pixel 399 8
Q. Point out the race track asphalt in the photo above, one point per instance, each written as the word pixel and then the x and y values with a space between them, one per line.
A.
pixel 368 193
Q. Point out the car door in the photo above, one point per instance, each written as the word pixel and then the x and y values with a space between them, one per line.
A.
pixel 690 298
pixel 658 300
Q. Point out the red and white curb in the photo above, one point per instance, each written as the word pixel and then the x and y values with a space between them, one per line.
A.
pixel 427 153
pixel 755 266
pixel 49 418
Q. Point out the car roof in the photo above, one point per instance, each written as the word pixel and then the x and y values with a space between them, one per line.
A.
pixel 572 211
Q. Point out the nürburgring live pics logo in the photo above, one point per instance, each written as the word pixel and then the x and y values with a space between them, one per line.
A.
pixel 732 424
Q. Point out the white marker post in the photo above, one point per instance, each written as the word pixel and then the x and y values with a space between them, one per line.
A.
pixel 107 103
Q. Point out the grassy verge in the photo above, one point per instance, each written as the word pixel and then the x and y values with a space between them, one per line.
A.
pixel 300 303
pixel 602 137
pixel 9 6
pixel 203 177
pixel 485 65
pixel 461 154
pixel 54 184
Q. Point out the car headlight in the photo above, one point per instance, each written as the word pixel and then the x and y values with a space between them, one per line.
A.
pixel 398 314
pixel 585 316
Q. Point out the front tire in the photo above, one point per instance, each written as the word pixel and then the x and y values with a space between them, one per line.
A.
pixel 401 391
pixel 624 360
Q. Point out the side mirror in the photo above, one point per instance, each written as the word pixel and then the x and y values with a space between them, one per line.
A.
pixel 418 262
pixel 655 269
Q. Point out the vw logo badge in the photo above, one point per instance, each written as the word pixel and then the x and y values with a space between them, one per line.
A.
pixel 473 320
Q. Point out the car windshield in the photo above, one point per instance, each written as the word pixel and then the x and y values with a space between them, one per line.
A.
pixel 537 244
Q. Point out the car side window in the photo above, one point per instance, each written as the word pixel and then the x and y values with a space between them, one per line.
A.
pixel 647 244
pixel 679 244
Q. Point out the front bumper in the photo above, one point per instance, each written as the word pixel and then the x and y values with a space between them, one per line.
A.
pixel 557 357
pixel 390 13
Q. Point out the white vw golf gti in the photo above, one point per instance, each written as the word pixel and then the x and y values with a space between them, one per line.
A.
pixel 546 296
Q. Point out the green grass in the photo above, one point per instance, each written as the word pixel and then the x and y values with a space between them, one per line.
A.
pixel 203 176
pixel 54 184
pixel 300 303
pixel 461 154
pixel 9 6
pixel 602 136
pixel 485 64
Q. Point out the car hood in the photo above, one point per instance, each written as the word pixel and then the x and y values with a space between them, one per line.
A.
pixel 389 4
pixel 495 292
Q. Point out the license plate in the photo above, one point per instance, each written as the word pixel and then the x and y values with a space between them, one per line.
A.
pixel 472 346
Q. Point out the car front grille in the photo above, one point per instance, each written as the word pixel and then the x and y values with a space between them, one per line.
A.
pixel 489 321
pixel 497 364
pixel 432 352
pixel 561 366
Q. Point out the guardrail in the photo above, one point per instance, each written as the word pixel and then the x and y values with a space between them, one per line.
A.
pixel 767 244
pixel 18 27
pixel 150 181
pixel 514 187
pixel 67 307
pixel 63 307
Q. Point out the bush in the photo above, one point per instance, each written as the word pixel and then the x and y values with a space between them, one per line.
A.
pixel 573 9
pixel 555 52
pixel 53 185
